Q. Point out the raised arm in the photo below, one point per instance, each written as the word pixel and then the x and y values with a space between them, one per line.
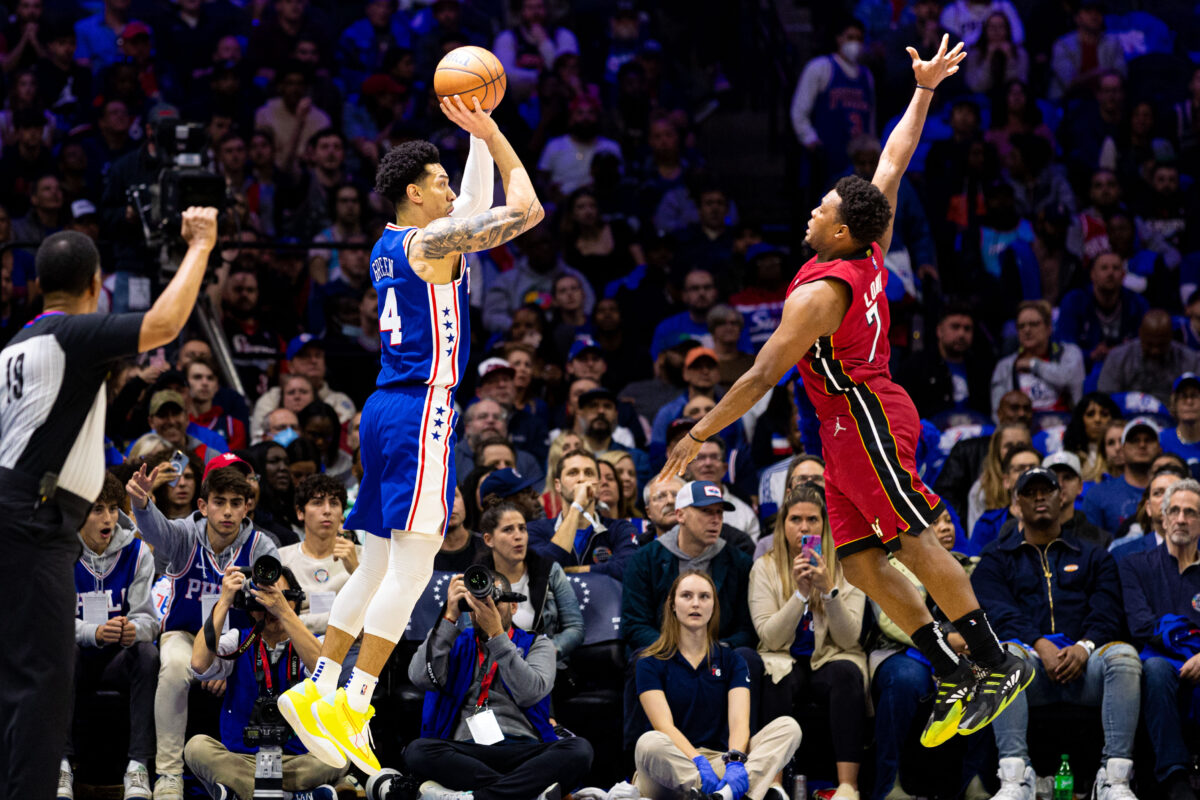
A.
pixel 445 238
pixel 901 145
pixel 813 310
pixel 170 312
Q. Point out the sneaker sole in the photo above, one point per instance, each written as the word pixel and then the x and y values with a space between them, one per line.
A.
pixel 326 751
pixel 373 782
pixel 945 730
pixel 1000 710
pixel 368 768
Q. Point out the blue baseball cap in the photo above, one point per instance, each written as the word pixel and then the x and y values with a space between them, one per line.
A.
pixel 505 483
pixel 1187 377
pixel 582 344
pixel 701 494
pixel 302 341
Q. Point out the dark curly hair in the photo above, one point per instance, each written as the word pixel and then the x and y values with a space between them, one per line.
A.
pixel 402 165
pixel 865 211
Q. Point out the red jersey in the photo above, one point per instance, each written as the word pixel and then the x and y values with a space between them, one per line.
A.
pixel 858 350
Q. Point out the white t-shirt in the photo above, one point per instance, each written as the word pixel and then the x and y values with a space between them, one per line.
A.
pixel 570 163
pixel 321 579
pixel 524 617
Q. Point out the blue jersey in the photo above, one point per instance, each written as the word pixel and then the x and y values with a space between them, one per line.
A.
pixel 424 327
pixel 115 581
pixel 841 112
pixel 202 576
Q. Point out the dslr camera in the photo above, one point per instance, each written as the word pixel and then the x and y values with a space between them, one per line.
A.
pixel 267 727
pixel 481 583
pixel 265 572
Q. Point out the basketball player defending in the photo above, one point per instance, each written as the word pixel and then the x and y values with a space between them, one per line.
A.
pixel 835 324
pixel 407 490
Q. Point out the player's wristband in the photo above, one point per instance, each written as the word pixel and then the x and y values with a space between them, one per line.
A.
pixel 926 88
pixel 694 439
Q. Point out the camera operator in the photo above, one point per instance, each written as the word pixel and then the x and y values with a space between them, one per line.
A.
pixel 285 653
pixel 195 550
pixel 486 722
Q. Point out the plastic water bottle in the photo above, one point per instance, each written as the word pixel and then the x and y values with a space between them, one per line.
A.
pixel 800 788
pixel 1064 781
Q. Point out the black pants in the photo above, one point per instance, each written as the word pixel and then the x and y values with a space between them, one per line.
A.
pixel 135 667
pixel 837 685
pixel 504 771
pixel 38 551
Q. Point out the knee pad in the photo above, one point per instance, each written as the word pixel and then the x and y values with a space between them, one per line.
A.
pixel 410 566
pixel 350 606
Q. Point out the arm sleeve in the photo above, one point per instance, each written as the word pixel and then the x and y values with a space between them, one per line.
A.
pixel 1138 613
pixel 648 678
pixel 168 537
pixel 528 679
pixel 638 625
pixel 141 604
pixel 812 81
pixel 478 182
pixel 997 599
pixel 775 624
pixel 570 618
pixel 1103 621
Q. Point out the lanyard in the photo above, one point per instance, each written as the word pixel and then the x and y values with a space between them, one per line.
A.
pixel 485 685
pixel 45 314
pixel 266 665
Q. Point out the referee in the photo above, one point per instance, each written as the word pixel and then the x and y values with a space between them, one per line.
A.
pixel 51 471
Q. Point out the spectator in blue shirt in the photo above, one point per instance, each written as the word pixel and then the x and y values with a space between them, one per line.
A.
pixel 1158 587
pixel 699 295
pixel 1060 599
pixel 363 45
pixel 96 36
pixel 695 695
pixel 1184 438
pixel 1111 502
pixel 1103 315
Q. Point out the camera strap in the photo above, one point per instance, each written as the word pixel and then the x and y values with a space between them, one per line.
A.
pixel 485 685
pixel 262 669
pixel 255 636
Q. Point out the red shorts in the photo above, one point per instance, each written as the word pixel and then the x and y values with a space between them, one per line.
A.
pixel 872 487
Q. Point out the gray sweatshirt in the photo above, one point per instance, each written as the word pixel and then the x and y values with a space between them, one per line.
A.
pixel 175 539
pixel 141 607
pixel 529 679
pixel 670 540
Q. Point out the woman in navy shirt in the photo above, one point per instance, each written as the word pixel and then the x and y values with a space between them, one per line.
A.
pixel 696 697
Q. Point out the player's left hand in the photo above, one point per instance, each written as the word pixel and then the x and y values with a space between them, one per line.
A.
pixel 943 64
pixel 683 453
pixel 475 121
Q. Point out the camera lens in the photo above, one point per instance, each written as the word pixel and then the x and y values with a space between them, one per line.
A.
pixel 267 570
pixel 479 580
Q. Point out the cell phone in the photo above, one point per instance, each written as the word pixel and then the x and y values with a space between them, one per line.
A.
pixel 810 543
pixel 179 461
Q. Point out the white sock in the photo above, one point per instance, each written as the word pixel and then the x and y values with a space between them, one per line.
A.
pixel 134 765
pixel 65 766
pixel 360 688
pixel 725 792
pixel 326 675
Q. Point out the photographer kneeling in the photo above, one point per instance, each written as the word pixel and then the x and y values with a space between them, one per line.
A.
pixel 280 654
pixel 486 725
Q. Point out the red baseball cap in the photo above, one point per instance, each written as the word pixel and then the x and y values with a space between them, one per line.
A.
pixel 227 460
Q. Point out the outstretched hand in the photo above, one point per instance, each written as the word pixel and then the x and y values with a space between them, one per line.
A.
pixel 684 453
pixel 141 485
pixel 943 64
pixel 475 121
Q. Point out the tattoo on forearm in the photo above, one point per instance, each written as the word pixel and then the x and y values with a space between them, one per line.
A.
pixel 481 232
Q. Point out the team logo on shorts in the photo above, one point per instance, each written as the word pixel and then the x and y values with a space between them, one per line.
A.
pixel 837 426
pixel 1196 602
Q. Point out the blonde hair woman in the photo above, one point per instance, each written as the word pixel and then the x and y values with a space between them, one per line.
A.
pixel 988 491
pixel 696 697
pixel 808 619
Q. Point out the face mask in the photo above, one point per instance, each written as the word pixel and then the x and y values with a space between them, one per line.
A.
pixel 351 331
pixel 286 437
pixel 850 51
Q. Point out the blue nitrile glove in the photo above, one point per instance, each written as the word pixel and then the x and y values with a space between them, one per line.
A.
pixel 736 778
pixel 708 779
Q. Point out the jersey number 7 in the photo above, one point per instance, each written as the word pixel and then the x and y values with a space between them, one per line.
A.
pixel 873 320
pixel 389 320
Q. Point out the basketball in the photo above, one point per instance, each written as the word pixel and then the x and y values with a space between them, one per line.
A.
pixel 471 72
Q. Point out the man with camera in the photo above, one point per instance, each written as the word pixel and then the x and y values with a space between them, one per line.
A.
pixel 256 666
pixel 196 551
pixel 486 726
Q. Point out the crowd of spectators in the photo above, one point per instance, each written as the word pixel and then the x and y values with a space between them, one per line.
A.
pixel 1044 280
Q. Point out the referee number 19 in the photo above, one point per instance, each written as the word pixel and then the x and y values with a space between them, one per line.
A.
pixel 389 319
pixel 14 377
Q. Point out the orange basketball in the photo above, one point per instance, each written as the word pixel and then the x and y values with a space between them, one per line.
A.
pixel 471 72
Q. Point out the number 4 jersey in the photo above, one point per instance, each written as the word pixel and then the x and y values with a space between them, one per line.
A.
pixel 424 327
pixel 858 350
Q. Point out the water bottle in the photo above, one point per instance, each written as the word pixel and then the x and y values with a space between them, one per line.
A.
pixel 800 788
pixel 1064 781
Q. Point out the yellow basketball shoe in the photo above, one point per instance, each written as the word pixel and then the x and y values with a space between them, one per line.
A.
pixel 348 729
pixel 296 707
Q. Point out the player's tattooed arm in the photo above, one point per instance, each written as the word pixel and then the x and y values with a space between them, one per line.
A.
pixel 449 236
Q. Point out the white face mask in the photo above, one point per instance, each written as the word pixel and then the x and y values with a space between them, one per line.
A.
pixel 850 51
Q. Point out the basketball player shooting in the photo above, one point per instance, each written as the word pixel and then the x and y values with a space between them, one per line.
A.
pixel 835 322
pixel 407 490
